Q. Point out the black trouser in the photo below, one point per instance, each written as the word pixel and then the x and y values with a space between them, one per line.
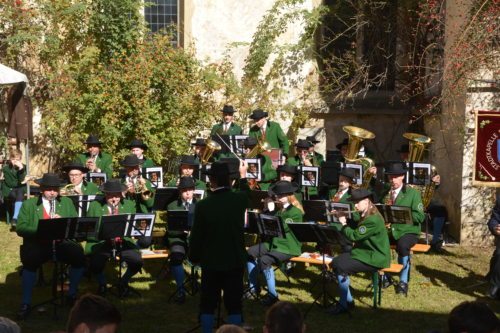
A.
pixel 17 194
pixel 267 258
pixel 143 242
pixel 344 264
pixel 105 251
pixel 177 253
pixel 405 243
pixel 33 255
pixel 213 282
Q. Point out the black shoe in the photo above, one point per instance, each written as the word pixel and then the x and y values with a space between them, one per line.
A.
pixel 269 299
pixel 493 292
pixel 386 282
pixel 402 288
pixel 13 223
pixel 336 309
pixel 251 294
pixel 102 290
pixel 23 311
pixel 180 298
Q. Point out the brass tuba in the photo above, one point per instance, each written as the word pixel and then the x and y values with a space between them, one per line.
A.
pixel 211 147
pixel 356 136
pixel 417 143
pixel 259 148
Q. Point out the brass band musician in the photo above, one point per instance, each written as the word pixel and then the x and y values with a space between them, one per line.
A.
pixel 94 159
pixel 77 183
pixel 139 189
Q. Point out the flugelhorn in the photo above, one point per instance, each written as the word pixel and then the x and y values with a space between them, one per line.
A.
pixel 69 189
pixel 211 147
pixel 259 148
pixel 356 136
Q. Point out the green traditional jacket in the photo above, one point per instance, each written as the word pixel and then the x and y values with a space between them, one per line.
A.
pixel 104 161
pixel 12 178
pixel 147 163
pixel 371 242
pixel 319 158
pixel 268 174
pixel 178 236
pixel 274 136
pixel 216 240
pixel 100 208
pixel 89 188
pixel 143 206
pixel 345 200
pixel 407 197
pixel 219 129
pixel 32 211
pixel 288 245
pixel 198 184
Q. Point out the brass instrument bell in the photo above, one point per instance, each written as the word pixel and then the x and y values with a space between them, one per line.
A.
pixel 356 136
pixel 211 147
pixel 417 146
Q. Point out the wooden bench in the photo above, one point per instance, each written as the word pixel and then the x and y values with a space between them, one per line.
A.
pixel 155 255
pixel 417 248
pixel 377 280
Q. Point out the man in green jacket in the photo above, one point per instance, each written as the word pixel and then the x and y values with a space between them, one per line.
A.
pixel 226 126
pixel 268 131
pixel 217 244
pixel 34 251
pixel 267 173
pixel 319 157
pixel 13 188
pixel 187 167
pixel 138 147
pixel 139 189
pixel 95 159
pixel 102 250
pixel 77 183
pixel 405 235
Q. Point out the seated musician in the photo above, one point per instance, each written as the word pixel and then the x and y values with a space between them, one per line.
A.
pixel 34 252
pixel 371 247
pixel 268 174
pixel 198 146
pixel 265 130
pixel 405 235
pixel 289 173
pixel 303 156
pixel 138 147
pixel 276 250
pixel 177 240
pixel 77 183
pixel 226 126
pixel 342 147
pixel 186 169
pixel 102 250
pixel 13 188
pixel 139 189
pixel 94 159
pixel 319 157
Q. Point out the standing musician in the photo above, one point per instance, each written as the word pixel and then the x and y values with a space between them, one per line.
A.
pixel 218 230
pixel 77 183
pixel 371 250
pixel 268 174
pixel 94 159
pixel 277 250
pixel 101 251
pixel 177 240
pixel 199 146
pixel 12 186
pixel 303 156
pixel 319 157
pixel 268 131
pixel 226 126
pixel 138 147
pixel 405 235
pixel 34 252
pixel 139 189
pixel 186 169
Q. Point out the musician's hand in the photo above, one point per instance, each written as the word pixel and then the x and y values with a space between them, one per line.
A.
pixel 243 169
pixel 77 190
pixel 496 231
pixel 17 164
pixel 307 162
pixel 91 165
pixel 130 188
pixel 342 220
pixel 57 216
pixel 436 179
pixel 372 170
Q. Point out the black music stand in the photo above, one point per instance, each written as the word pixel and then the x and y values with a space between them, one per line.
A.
pixel 82 202
pixel 163 197
pixel 257 198
pixel 315 210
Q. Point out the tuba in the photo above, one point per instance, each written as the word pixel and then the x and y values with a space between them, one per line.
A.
pixel 211 147
pixel 259 148
pixel 417 143
pixel 356 136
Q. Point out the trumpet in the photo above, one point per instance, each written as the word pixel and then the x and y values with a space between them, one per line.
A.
pixel 69 189
pixel 91 162
pixel 141 188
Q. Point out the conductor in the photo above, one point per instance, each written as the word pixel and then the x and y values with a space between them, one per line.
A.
pixel 218 230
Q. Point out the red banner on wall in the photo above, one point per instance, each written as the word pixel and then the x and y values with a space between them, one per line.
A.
pixel 487 149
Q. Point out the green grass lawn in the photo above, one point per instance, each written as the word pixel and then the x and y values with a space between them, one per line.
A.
pixel 438 283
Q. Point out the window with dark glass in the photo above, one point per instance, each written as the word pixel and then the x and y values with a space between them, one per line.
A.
pixel 161 14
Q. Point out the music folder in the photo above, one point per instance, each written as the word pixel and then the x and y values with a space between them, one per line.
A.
pixel 395 214
pixel 178 220
pixel 271 226
pixel 67 228
pixel 114 226
pixel 164 196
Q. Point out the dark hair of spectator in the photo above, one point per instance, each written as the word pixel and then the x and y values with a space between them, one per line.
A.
pixel 95 311
pixel 473 317
pixel 284 317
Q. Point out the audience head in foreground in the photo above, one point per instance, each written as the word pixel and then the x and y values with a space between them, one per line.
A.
pixel 473 317
pixel 284 317
pixel 93 314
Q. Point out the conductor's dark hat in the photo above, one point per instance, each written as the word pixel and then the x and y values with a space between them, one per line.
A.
pixel 282 187
pixel 199 142
pixel 136 143
pixel 258 114
pixel 344 142
pixel 250 141
pixel 234 166
pixel 186 182
pixel 291 169
pixel 75 166
pixel 228 109
pixel 131 161
pixel 404 148
pixel 219 170
pixel 93 140
pixel 113 186
pixel 50 180
pixel 348 173
pixel 395 168
pixel 188 160
pixel 312 139
pixel 303 144
pixel 360 194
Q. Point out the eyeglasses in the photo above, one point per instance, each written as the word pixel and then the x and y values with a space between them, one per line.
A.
pixel 74 175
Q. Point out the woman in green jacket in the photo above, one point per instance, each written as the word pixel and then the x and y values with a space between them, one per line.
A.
pixel 277 250
pixel 371 250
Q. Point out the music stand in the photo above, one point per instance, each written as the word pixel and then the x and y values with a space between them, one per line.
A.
pixel 256 199
pixel 81 202
pixel 163 197
pixel 315 210
pixel 396 214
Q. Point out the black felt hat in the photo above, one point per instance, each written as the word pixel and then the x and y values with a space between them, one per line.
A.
pixel 291 169
pixel 344 142
pixel 219 169
pixel 75 166
pixel 258 114
pixel 234 166
pixel 404 148
pixel 250 141
pixel 93 140
pixel 50 180
pixel 188 160
pixel 395 168
pixel 136 143
pixel 131 161
pixel 186 182
pixel 360 194
pixel 199 142
pixel 282 187
pixel 303 144
pixel 228 109
pixel 348 173
pixel 312 139
pixel 113 186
